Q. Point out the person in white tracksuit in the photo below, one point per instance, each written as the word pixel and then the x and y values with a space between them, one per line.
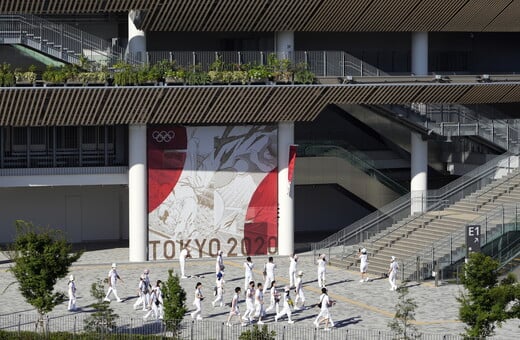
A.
pixel 72 294
pixel 275 299
pixel 324 314
pixel 197 302
pixel 219 263
pixel 322 263
pixel 185 254
pixel 250 303
pixel 300 297
pixel 259 303
pixel 248 272
pixel 363 264
pixel 142 292
pixel 392 273
pixel 293 268
pixel 219 283
pixel 113 276
pixel 287 303
pixel 269 268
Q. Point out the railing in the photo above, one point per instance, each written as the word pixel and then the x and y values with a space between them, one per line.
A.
pixel 321 63
pixel 15 326
pixel 457 120
pixel 382 219
pixel 58 40
pixel 452 248
pixel 320 150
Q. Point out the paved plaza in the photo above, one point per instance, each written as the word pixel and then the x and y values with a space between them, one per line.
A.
pixel 360 306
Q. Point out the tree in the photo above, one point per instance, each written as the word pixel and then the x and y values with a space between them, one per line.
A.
pixel 41 256
pixel 404 315
pixel 103 319
pixel 174 299
pixel 486 303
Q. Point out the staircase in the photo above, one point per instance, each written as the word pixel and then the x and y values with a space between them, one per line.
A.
pixel 409 238
pixel 60 41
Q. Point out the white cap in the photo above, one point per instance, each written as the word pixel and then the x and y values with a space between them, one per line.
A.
pixel 393 258
pixel 364 250
pixel 71 277
pixel 114 265
pixel 300 273
pixel 147 271
pixel 295 257
pixel 287 288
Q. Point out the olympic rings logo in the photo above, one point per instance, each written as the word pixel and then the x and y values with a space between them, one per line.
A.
pixel 163 136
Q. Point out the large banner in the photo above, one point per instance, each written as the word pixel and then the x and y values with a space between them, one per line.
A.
pixel 212 188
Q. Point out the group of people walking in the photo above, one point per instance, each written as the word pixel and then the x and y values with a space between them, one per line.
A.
pixel 281 304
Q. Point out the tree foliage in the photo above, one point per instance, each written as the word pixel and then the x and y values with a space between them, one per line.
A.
pixel 41 256
pixel 257 334
pixel 404 315
pixel 103 319
pixel 174 297
pixel 486 303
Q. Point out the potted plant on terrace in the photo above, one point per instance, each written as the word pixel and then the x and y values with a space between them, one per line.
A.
pixel 302 75
pixel 124 74
pixel 24 78
pixel 54 75
pixel 7 77
pixel 258 74
pixel 195 75
pixel 280 68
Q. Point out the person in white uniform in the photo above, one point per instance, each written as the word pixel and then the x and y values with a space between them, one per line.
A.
pixel 234 311
pixel 248 272
pixel 269 269
pixel 363 265
pixel 250 303
pixel 324 314
pixel 219 263
pixel 322 263
pixel 293 269
pixel 219 284
pixel 185 254
pixel 113 276
pixel 142 292
pixel 287 303
pixel 392 273
pixel 72 294
pixel 300 297
pixel 259 303
pixel 197 302
pixel 275 299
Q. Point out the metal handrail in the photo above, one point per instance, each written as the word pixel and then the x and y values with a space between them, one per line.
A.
pixel 400 208
pixel 448 245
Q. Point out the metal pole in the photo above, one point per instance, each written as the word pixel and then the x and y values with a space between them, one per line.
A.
pixel 324 63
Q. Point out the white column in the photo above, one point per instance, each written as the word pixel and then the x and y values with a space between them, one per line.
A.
pixel 285 191
pixel 136 39
pixel 419 173
pixel 137 194
pixel 284 42
pixel 420 53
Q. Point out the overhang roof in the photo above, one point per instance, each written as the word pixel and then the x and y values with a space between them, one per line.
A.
pixel 48 106
pixel 291 15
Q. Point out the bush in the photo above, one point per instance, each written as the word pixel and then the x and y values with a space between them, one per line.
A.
pixel 257 334
pixel 174 299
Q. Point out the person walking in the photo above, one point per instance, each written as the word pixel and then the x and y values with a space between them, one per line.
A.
pixel 234 311
pixel 155 302
pixel 322 264
pixel 185 254
pixel 250 303
pixel 287 303
pixel 72 294
pixel 293 269
pixel 146 289
pixel 324 314
pixel 113 276
pixel 392 273
pixel 275 299
pixel 269 269
pixel 141 292
pixel 300 297
pixel 219 284
pixel 259 303
pixel 363 264
pixel 248 272
pixel 197 302
pixel 219 263
pixel 159 301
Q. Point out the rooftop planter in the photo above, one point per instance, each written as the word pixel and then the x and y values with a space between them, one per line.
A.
pixel 7 77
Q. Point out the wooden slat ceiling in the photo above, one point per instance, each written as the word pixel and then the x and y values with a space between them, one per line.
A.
pixel 47 106
pixel 291 15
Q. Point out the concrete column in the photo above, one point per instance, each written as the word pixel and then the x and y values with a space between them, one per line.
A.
pixel 285 191
pixel 419 173
pixel 136 38
pixel 420 53
pixel 284 42
pixel 137 194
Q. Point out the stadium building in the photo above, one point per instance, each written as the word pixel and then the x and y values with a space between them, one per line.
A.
pixel 380 99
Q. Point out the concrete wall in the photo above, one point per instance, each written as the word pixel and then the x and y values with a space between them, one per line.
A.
pixel 84 213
